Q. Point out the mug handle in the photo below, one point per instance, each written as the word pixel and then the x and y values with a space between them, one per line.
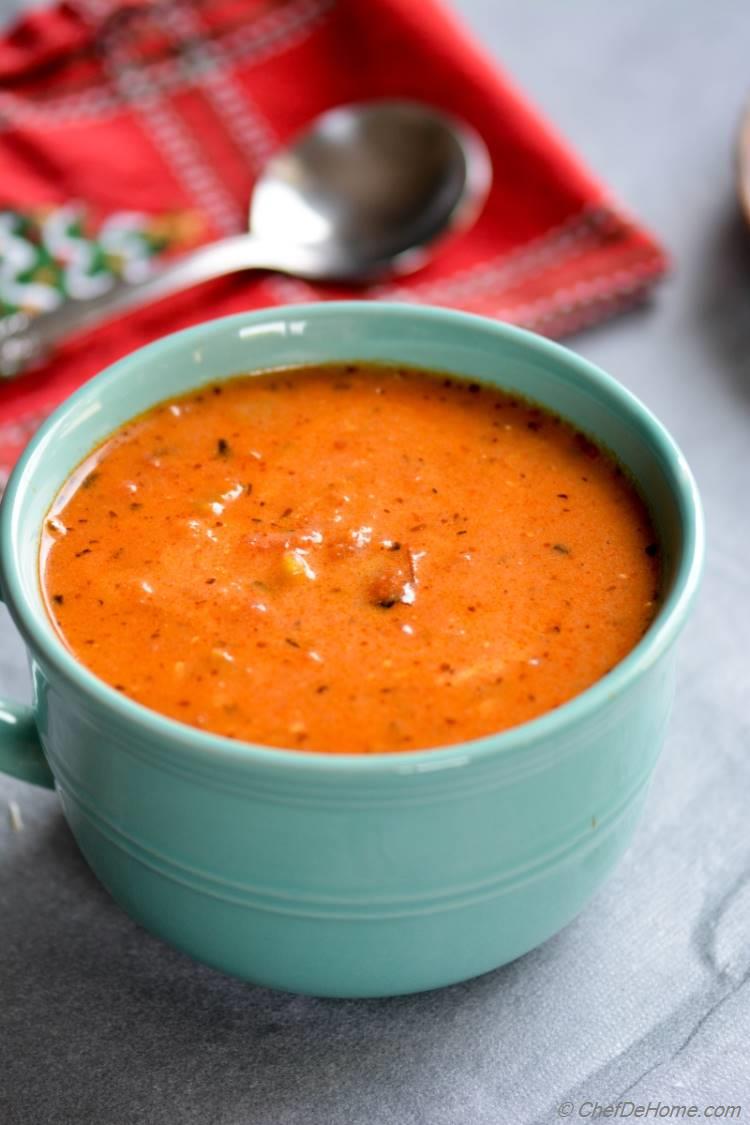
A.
pixel 21 753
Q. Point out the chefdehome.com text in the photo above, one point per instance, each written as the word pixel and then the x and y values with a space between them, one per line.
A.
pixel 653 1110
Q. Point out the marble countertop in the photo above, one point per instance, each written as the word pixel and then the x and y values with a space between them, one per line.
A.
pixel 645 998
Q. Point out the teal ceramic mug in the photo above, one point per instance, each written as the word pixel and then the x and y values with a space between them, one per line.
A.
pixel 342 875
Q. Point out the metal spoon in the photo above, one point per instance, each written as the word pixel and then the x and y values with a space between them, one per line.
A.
pixel 361 194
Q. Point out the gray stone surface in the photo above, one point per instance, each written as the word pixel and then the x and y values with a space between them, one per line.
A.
pixel 646 996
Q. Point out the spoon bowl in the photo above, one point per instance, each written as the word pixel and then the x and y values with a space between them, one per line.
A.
pixel 368 188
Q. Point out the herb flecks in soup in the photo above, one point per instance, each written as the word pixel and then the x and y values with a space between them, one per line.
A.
pixel 349 558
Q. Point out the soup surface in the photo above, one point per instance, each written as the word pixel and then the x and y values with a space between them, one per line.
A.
pixel 349 559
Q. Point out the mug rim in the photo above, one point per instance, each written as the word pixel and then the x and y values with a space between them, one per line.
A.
pixel 217 749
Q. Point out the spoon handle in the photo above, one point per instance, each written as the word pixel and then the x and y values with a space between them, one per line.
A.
pixel 25 340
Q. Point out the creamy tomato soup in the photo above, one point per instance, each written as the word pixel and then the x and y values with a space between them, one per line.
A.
pixel 349 559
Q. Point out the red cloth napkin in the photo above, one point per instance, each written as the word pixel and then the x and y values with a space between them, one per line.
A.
pixel 171 107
